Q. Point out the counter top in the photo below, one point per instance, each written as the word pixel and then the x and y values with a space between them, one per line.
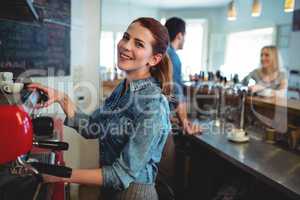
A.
pixel 273 165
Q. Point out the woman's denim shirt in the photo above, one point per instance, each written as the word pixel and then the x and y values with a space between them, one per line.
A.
pixel 132 129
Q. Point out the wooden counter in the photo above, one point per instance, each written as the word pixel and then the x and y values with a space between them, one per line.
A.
pixel 292 105
pixel 289 103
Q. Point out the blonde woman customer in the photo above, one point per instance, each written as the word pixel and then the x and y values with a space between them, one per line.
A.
pixel 270 79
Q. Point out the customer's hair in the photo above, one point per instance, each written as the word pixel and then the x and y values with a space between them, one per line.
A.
pixel 273 51
pixel 163 70
pixel 175 25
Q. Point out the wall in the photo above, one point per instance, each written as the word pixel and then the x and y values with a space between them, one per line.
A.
pixel 116 16
pixel 272 15
pixel 219 26
pixel 294 60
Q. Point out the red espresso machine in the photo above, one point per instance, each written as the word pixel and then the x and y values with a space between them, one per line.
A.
pixel 23 153
pixel 16 133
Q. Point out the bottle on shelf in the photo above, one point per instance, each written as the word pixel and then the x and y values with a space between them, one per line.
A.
pixel 115 73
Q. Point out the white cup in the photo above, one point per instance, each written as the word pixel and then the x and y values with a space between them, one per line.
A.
pixel 6 76
pixel 238 133
pixel 13 87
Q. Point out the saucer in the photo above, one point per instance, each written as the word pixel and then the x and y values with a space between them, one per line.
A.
pixel 238 139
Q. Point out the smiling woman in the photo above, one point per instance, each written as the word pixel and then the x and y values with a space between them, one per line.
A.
pixel 133 124
pixel 143 47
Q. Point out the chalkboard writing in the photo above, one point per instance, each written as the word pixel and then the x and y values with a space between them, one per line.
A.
pixel 43 45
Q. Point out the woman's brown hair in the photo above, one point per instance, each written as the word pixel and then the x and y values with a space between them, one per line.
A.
pixel 163 70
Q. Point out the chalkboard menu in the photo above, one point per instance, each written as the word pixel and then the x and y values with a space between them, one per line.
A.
pixel 41 47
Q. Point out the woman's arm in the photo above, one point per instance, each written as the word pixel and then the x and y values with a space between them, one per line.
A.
pixel 68 106
pixel 280 92
pixel 256 88
pixel 86 176
pixel 181 111
pixel 79 176
pixel 56 96
pixel 188 126
pixel 283 84
pixel 150 132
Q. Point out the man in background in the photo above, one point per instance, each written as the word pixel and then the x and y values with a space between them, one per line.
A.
pixel 166 180
pixel 176 28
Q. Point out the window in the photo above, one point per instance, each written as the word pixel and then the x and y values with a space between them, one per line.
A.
pixel 118 37
pixel 107 50
pixel 243 50
pixel 193 54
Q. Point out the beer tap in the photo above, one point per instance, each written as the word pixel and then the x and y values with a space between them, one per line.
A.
pixel 242 117
pixel 219 104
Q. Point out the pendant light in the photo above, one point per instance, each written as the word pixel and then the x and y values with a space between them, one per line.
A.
pixel 256 8
pixel 231 12
pixel 289 5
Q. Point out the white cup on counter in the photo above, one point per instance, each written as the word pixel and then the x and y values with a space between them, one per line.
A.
pixel 13 87
pixel 238 133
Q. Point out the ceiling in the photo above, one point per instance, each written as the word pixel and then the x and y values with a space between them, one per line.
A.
pixel 177 3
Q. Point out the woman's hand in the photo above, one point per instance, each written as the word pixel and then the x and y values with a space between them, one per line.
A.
pixel 191 128
pixel 56 96
pixel 256 88
pixel 53 95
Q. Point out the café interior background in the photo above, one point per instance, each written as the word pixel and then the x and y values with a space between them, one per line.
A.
pixel 96 26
